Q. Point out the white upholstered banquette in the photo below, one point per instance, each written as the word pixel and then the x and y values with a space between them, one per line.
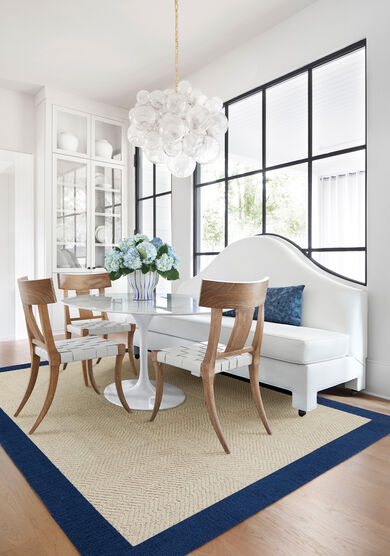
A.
pixel 329 348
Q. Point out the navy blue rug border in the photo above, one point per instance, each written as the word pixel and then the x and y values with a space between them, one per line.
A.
pixel 80 521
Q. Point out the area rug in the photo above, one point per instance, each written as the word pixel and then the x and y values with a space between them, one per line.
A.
pixel 118 484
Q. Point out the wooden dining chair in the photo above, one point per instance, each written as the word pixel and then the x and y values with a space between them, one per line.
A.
pixel 86 323
pixel 40 293
pixel 205 359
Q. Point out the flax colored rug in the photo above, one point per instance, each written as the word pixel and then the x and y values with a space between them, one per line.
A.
pixel 118 484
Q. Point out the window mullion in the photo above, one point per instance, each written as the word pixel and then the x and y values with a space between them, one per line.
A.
pixel 226 180
pixel 310 161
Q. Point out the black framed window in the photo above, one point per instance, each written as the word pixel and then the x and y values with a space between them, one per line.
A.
pixel 294 165
pixel 153 199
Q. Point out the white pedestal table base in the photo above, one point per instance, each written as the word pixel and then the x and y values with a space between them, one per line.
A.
pixel 141 398
pixel 140 393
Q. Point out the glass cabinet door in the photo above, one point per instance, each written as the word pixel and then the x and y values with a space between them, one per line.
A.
pixel 71 183
pixel 107 193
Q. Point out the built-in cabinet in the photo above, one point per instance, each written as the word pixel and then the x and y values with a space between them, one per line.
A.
pixel 82 188
pixel 88 194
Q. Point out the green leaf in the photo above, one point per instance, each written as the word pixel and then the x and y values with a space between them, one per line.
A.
pixel 145 269
pixel 173 274
pixel 117 249
pixel 163 249
pixel 126 271
pixel 115 275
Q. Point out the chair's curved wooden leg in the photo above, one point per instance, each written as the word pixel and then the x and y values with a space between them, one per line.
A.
pixel 118 378
pixel 130 348
pixel 31 383
pixel 91 377
pixel 158 368
pixel 68 336
pixel 208 385
pixel 84 363
pixel 254 377
pixel 84 367
pixel 54 372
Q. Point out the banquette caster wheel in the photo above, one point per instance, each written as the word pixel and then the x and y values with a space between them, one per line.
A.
pixel 301 413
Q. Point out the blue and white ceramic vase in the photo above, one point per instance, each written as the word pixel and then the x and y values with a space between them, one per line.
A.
pixel 143 285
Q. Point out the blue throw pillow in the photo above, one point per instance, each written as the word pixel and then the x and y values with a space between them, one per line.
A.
pixel 282 305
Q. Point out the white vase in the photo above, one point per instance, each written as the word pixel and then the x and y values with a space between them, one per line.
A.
pixel 67 141
pixel 103 148
pixel 143 285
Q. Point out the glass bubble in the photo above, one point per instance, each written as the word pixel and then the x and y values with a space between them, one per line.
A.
pixel 145 116
pixel 168 92
pixel 176 103
pixel 184 87
pixel 181 165
pixel 192 144
pixel 135 137
pixel 214 104
pixel 157 99
pixel 195 94
pixel 152 140
pixel 217 124
pixel 142 97
pixel 172 127
pixel 201 100
pixel 209 151
pixel 155 156
pixel 172 149
pixel 197 118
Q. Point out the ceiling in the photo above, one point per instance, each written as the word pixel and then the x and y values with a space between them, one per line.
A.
pixel 107 50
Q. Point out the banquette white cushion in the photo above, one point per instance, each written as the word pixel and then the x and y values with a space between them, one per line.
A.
pixel 293 344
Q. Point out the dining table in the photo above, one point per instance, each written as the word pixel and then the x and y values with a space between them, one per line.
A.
pixel 140 392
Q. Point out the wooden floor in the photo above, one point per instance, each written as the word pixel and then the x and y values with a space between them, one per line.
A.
pixel 344 512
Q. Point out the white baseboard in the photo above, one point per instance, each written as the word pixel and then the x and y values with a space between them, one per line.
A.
pixel 378 379
pixel 376 395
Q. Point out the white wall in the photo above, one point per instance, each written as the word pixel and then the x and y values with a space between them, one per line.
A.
pixel 324 27
pixel 17 117
pixel 17 231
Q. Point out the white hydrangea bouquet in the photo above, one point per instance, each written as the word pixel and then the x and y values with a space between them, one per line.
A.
pixel 143 261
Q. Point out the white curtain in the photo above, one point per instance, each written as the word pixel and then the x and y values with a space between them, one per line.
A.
pixel 340 212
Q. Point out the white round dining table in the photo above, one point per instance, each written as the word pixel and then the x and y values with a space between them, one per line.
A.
pixel 140 393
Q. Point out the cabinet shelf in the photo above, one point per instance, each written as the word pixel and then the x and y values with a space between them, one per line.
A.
pixel 107 214
pixel 74 185
pixel 75 243
pixel 65 213
pixel 107 189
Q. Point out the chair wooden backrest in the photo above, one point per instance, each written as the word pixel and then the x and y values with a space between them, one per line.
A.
pixel 82 284
pixel 243 297
pixel 39 293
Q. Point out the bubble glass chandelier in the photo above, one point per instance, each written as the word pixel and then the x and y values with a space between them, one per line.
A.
pixel 178 127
